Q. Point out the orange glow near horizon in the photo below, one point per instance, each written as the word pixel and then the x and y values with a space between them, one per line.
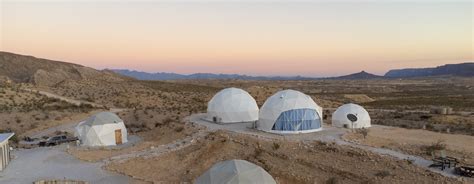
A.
pixel 286 38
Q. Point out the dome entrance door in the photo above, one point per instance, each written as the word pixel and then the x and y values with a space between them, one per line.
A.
pixel 118 136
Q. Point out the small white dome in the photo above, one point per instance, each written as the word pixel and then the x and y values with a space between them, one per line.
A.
pixel 342 116
pixel 232 105
pixel 235 172
pixel 290 111
pixel 102 129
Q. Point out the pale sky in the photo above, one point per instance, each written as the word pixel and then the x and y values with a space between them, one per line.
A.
pixel 309 38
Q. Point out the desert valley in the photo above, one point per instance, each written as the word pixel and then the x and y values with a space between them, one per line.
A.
pixel 169 141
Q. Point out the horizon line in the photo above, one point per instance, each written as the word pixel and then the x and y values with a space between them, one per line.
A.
pixel 273 76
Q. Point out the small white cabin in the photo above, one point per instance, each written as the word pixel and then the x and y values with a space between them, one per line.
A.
pixel 5 150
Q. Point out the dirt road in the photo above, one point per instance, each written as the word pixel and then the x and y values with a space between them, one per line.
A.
pixel 65 99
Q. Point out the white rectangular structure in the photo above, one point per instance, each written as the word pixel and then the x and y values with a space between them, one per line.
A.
pixel 5 150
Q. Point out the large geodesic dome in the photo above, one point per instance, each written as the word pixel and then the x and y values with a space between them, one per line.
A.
pixel 232 105
pixel 102 129
pixel 290 111
pixel 235 172
pixel 351 116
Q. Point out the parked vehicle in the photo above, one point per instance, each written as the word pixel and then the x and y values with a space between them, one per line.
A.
pixel 57 140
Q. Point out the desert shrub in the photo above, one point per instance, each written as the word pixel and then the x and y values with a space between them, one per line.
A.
pixel 167 121
pixel 429 126
pixel 138 127
pixel 437 146
pixel 383 174
pixel 34 125
pixel 258 152
pixel 157 124
pixel 363 131
pixel 135 116
pixel 179 129
pixel 332 180
pixel 425 117
pixel 85 107
pixel 276 146
pixel 398 116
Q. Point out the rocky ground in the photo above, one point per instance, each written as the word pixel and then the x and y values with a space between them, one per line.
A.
pixel 288 162
pixel 25 111
pixel 417 142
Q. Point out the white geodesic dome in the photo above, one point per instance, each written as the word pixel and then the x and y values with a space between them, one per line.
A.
pixel 232 105
pixel 290 111
pixel 102 129
pixel 340 117
pixel 235 172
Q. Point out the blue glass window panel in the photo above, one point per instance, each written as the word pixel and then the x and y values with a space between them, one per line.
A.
pixel 297 120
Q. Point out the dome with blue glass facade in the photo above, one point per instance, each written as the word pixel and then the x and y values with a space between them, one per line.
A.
pixel 290 111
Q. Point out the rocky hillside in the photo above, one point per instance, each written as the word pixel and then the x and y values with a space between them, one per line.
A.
pixel 43 72
pixel 462 69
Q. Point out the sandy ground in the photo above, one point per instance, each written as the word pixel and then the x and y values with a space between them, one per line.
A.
pixel 413 140
pixel 405 136
pixel 30 165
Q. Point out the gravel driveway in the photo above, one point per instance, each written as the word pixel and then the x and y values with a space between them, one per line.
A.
pixel 30 165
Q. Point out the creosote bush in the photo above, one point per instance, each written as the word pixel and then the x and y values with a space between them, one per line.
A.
pixel 383 174
pixel 332 180
pixel 179 129
pixel 276 146
pixel 363 131
pixel 437 146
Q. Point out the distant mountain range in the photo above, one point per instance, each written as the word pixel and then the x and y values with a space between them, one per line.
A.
pixel 462 69
pixel 22 68
pixel 175 76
